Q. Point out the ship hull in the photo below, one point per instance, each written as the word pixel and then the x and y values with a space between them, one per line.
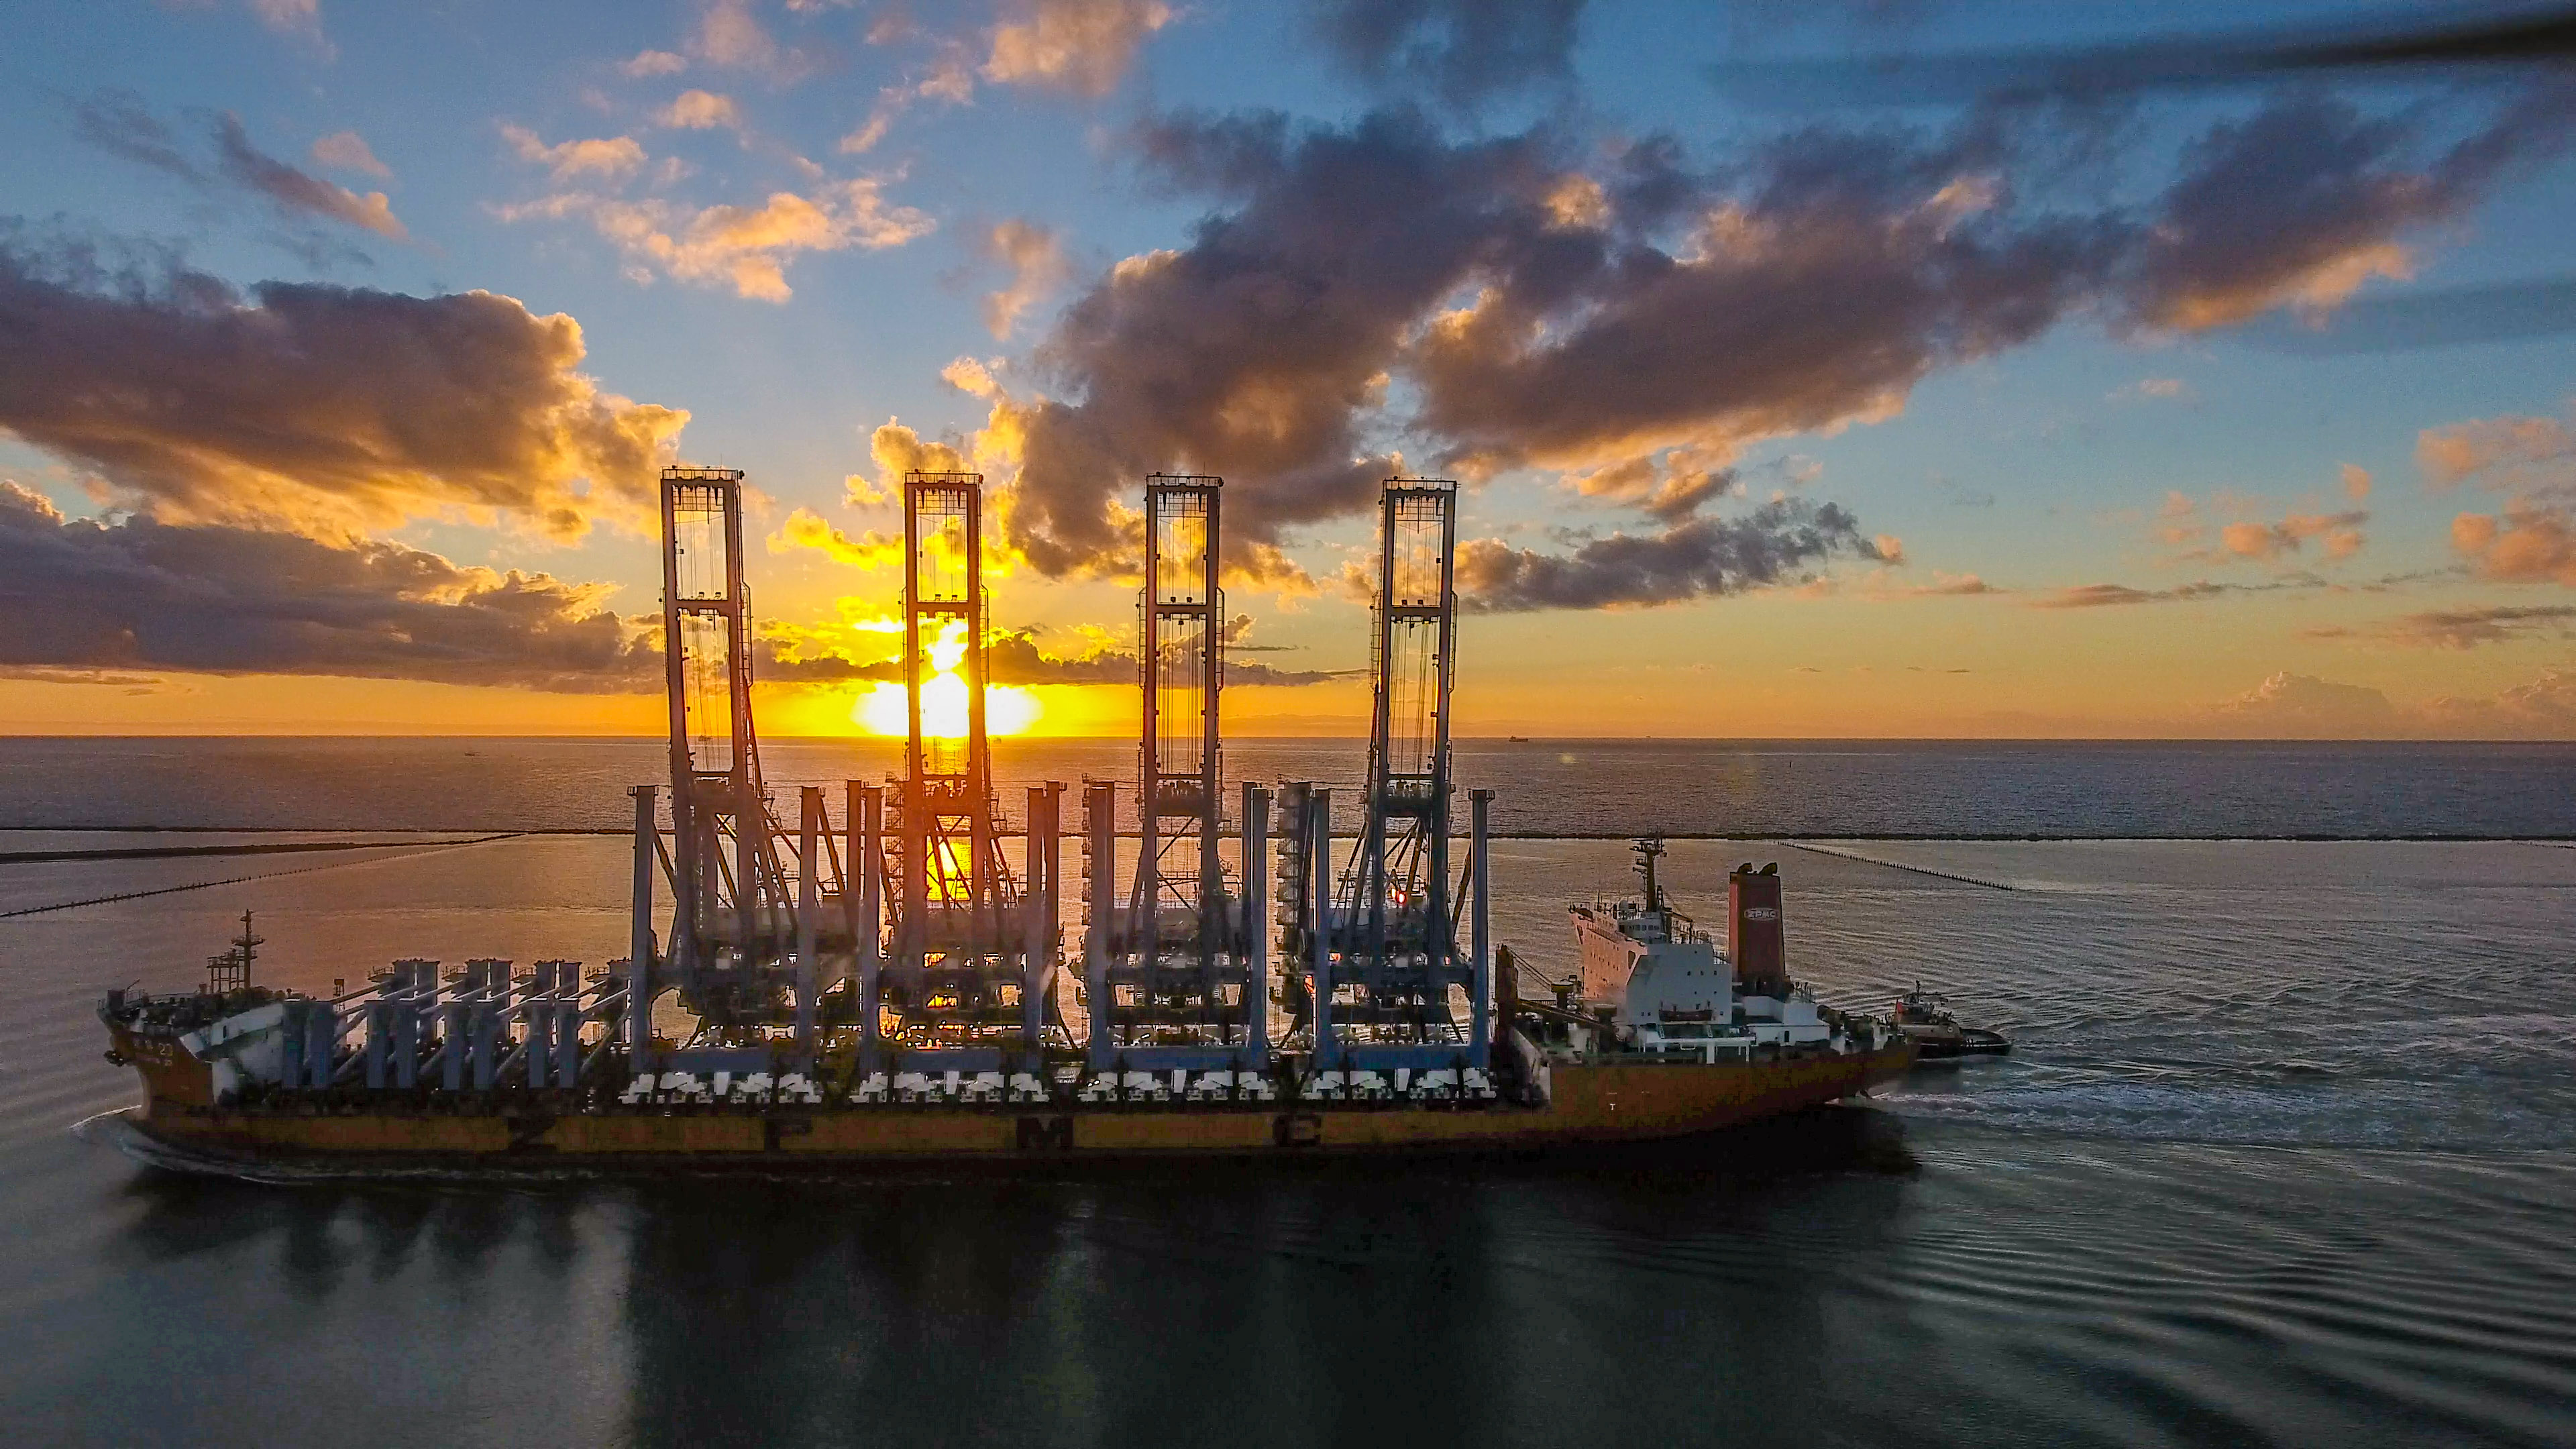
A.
pixel 174 1078
pixel 1589 1104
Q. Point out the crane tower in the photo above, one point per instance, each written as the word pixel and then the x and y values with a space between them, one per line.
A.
pixel 1377 968
pixel 973 946
pixel 1176 974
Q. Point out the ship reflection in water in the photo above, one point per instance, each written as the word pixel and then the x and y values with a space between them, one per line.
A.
pixel 1244 1302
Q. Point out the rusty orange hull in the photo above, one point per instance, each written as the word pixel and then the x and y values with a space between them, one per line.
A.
pixel 173 1079
pixel 1603 1103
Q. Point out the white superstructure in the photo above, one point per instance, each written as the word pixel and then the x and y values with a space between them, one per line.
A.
pixel 1669 987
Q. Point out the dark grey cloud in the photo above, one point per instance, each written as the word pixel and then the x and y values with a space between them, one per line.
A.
pixel 2460 628
pixel 325 408
pixel 2519 40
pixel 1013 658
pixel 120 124
pixel 2309 196
pixel 117 122
pixel 1623 313
pixel 110 595
pixel 294 189
pixel 1254 352
pixel 1459 50
pixel 2104 596
pixel 1704 557
pixel 2098 596
pixel 1836 272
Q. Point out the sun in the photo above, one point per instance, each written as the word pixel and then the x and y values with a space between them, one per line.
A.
pixel 1008 709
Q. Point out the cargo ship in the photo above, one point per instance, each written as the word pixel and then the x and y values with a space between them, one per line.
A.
pixel 901 986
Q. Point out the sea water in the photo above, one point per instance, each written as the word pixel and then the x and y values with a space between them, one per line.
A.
pixel 2286 1151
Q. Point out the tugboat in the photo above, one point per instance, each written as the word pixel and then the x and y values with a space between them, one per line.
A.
pixel 1937 1035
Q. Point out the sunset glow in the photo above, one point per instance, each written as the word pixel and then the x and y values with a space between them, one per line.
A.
pixel 1008 709
pixel 2198 477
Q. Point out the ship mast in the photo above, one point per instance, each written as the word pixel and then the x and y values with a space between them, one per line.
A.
pixel 230 971
pixel 1647 850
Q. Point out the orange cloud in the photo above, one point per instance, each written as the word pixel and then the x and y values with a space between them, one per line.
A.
pixel 323 409
pixel 611 156
pixel 701 111
pixel 1037 265
pixel 348 151
pixel 745 247
pixel 807 529
pixel 2527 544
pixel 2506 452
pixel 1083 46
pixel 654 62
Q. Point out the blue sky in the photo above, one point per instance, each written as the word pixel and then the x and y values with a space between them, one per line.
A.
pixel 2076 459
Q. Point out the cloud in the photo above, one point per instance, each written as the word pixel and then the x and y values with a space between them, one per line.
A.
pixel 2499 453
pixel 1082 46
pixel 1015 658
pixel 292 190
pixel 898 450
pixel 1539 302
pixel 1880 585
pixel 1251 353
pixel 729 34
pixel 1037 266
pixel 1952 586
pixel 2154 387
pixel 971 377
pixel 347 151
pixel 1698 559
pixel 118 123
pixel 1844 270
pixel 298 19
pixel 701 111
pixel 2459 628
pixel 2303 706
pixel 1669 488
pixel 816 656
pixel 950 80
pixel 322 408
pixel 2303 202
pixel 2341 534
pixel 807 529
pixel 746 248
pixel 2099 596
pixel 610 157
pixel 2299 706
pixel 87 594
pixel 1463 51
pixel 2529 543
pixel 652 63
pixel 2543 709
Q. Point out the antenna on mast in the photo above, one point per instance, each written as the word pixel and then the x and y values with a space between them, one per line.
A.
pixel 230 971
pixel 1647 850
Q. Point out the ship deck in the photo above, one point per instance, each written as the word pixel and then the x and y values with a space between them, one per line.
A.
pixel 1602 1102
